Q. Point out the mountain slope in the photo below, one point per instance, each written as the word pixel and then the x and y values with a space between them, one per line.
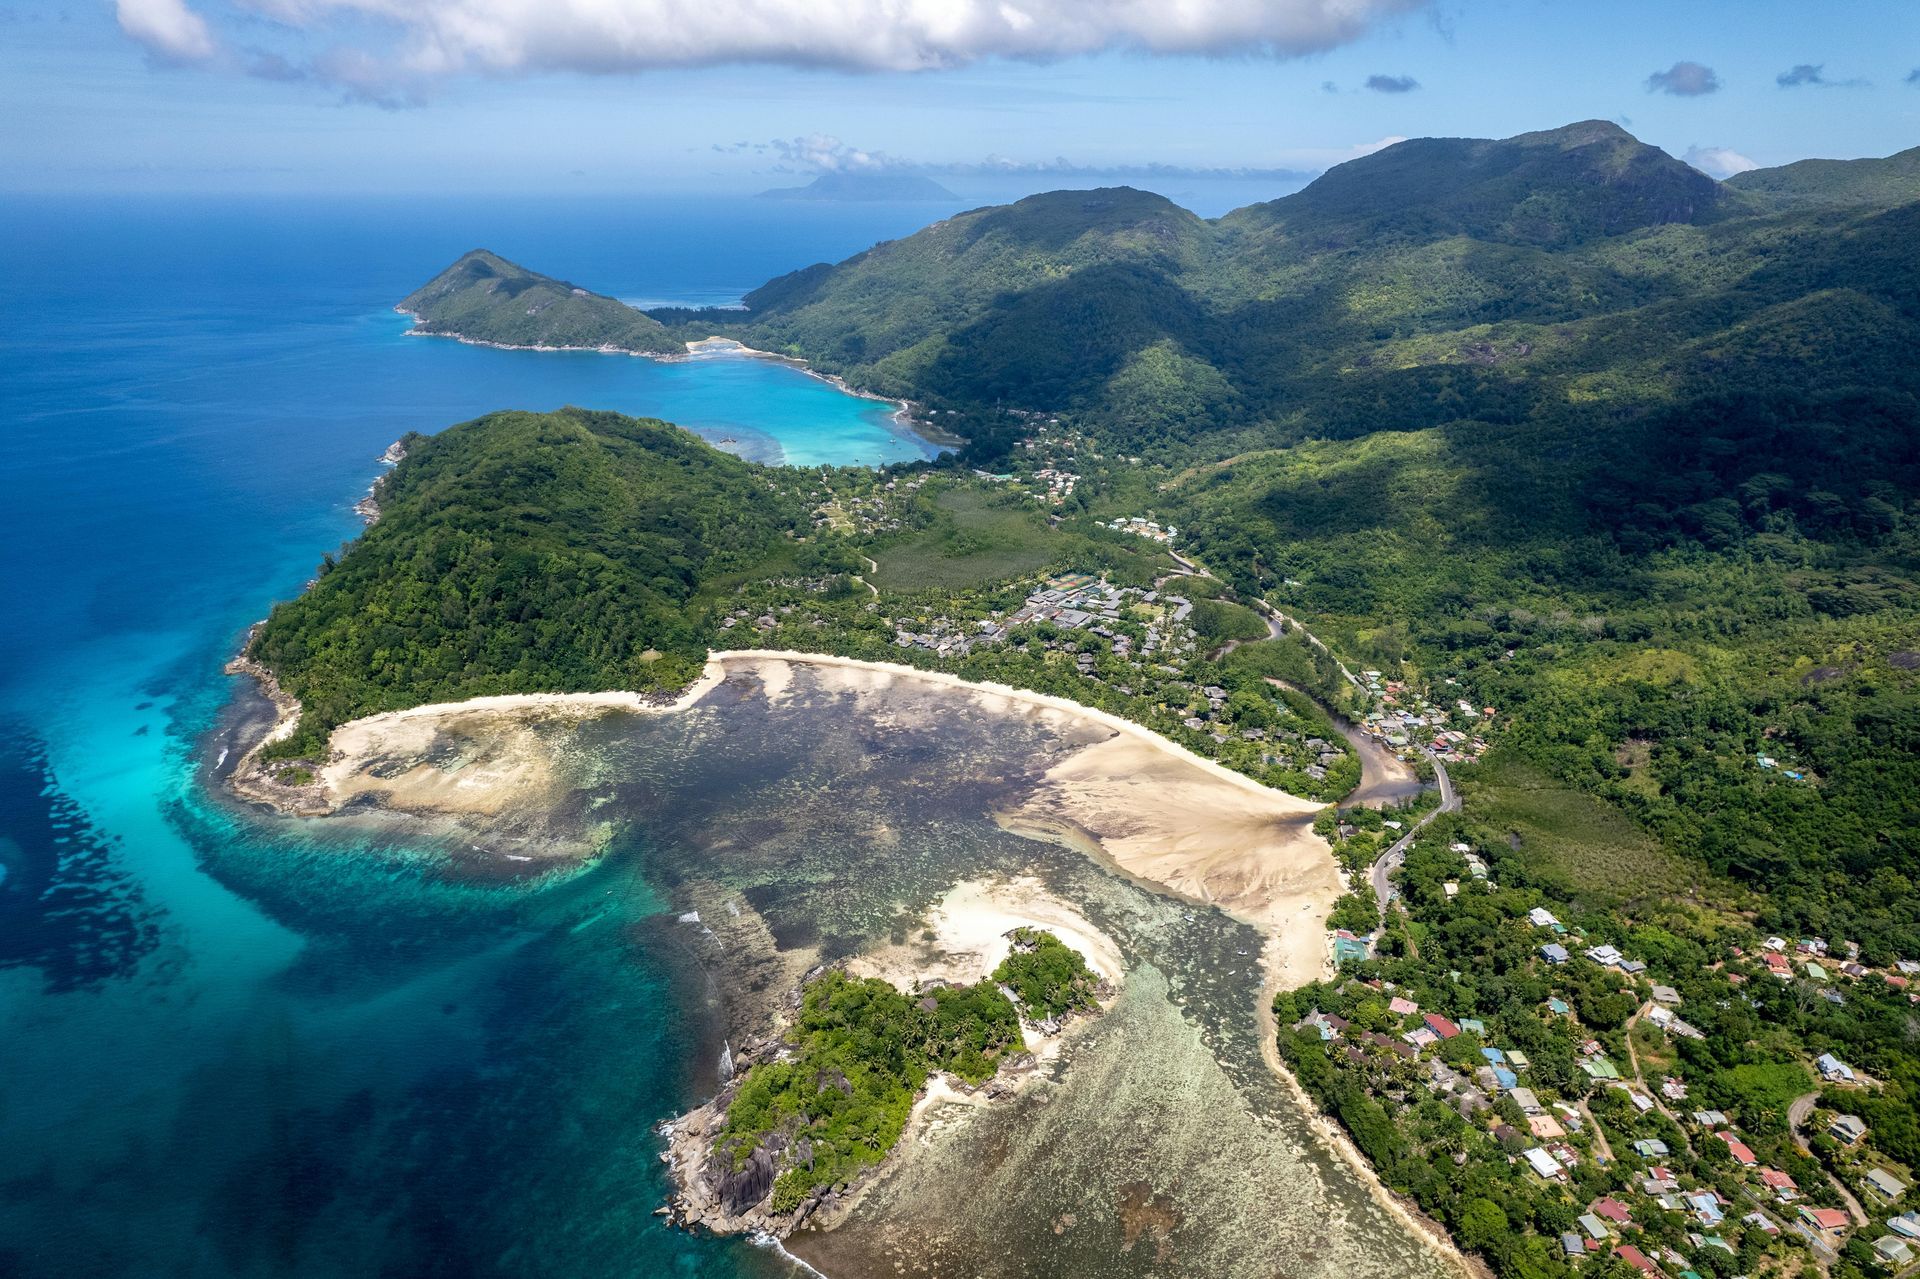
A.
pixel 1892 180
pixel 1551 189
pixel 524 552
pixel 485 298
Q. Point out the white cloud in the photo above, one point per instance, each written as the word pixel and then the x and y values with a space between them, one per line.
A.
pixel 167 28
pixel 434 38
pixel 1719 162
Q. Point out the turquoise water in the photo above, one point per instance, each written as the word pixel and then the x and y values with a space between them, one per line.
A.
pixel 231 1051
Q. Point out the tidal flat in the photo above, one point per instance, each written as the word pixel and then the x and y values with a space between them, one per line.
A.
pixel 798 814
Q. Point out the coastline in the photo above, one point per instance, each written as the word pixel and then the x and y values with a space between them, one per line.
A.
pixel 902 416
pixel 1280 967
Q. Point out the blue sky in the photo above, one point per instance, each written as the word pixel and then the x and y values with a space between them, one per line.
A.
pixel 663 96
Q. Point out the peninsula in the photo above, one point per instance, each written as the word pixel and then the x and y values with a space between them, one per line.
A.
pixel 486 299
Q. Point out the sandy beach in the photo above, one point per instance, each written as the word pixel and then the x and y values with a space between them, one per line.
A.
pixel 1135 801
pixel 1139 802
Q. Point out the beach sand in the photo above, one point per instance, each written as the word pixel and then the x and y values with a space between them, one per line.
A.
pixel 964 936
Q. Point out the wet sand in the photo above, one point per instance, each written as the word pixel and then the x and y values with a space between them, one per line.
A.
pixel 1156 1140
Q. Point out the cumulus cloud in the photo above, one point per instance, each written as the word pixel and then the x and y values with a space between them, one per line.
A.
pixel 424 39
pixel 1684 80
pixel 1392 83
pixel 1719 162
pixel 167 29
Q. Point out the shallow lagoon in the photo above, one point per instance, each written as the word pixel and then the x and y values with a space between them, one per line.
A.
pixel 237 1049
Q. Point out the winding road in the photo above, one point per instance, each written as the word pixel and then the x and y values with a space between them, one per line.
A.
pixel 1390 861
pixel 1796 1122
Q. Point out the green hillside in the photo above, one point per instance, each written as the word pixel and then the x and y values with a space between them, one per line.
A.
pixel 525 552
pixel 485 298
pixel 1892 180
pixel 1575 271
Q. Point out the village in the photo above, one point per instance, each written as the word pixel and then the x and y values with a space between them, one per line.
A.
pixel 1652 1168
pixel 1130 649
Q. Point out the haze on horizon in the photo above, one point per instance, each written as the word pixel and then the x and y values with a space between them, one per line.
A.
pixel 672 96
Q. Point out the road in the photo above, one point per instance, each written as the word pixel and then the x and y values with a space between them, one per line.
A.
pixel 1796 1123
pixel 1390 861
pixel 1277 621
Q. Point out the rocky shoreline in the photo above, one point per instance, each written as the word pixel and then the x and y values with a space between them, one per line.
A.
pixel 712 1195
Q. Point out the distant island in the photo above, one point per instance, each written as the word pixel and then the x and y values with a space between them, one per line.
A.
pixel 904 188
pixel 485 298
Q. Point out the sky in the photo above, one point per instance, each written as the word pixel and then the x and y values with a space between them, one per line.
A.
pixel 988 97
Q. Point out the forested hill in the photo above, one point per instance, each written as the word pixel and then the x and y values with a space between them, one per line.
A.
pixel 526 552
pixel 1575 271
pixel 485 298
pixel 1893 180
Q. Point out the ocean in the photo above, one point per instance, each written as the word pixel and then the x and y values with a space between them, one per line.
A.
pixel 234 1045
pixel 207 1069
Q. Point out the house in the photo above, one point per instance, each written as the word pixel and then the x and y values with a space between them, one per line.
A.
pixel 1907 1223
pixel 1421 1038
pixel 1543 1163
pixel 1633 967
pixel 1605 955
pixel 1666 995
pixel 1571 1245
pixel 1494 1056
pixel 1600 1068
pixel 1706 1208
pixel 1554 953
pixel 1542 917
pixel 1651 1148
pixel 1826 1220
pixel 1885 1184
pixel 1596 1229
pixel 1832 1069
pixel 1545 1127
pixel 1762 1222
pixel 1635 1258
pixel 1892 1250
pixel 1400 1007
pixel 1710 1118
pixel 1441 1026
pixel 1524 1098
pixel 1847 1129
pixel 1515 1058
pixel 1780 1183
pixel 1612 1210
pixel 1741 1153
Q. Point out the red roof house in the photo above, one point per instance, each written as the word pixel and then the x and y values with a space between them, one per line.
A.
pixel 1738 1149
pixel 1828 1219
pixel 1441 1026
pixel 1635 1258
pixel 1612 1209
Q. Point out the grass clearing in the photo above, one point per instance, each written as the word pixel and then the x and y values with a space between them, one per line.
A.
pixel 978 540
pixel 1596 848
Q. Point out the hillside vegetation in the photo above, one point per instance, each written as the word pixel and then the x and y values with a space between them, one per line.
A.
pixel 485 298
pixel 525 552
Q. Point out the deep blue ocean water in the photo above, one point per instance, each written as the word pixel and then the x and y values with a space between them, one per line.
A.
pixel 229 1053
